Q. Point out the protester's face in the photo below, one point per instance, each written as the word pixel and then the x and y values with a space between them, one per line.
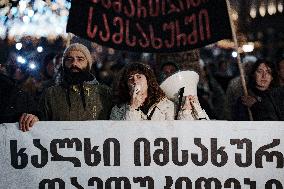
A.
pixel 76 61
pixel 138 79
pixel 263 77
pixel 168 70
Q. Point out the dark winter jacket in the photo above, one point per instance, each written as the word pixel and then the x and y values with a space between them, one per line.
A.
pixel 271 108
pixel 240 111
pixel 14 102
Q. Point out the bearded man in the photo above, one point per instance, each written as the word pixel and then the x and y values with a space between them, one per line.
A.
pixel 76 98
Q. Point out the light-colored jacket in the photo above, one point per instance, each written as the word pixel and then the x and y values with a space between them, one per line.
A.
pixel 164 110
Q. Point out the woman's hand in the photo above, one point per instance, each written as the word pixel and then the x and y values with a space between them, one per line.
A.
pixel 27 121
pixel 137 97
pixel 191 102
pixel 248 100
pixel 137 100
pixel 192 110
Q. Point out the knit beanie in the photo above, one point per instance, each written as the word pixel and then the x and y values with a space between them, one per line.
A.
pixel 83 49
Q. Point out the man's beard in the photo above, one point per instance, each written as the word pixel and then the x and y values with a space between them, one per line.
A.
pixel 74 78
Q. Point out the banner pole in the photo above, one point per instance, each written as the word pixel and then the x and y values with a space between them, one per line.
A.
pixel 236 47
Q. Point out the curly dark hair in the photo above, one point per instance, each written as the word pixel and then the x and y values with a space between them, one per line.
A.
pixel 252 82
pixel 155 93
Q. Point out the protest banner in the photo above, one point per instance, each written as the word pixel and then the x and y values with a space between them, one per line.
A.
pixel 121 154
pixel 150 26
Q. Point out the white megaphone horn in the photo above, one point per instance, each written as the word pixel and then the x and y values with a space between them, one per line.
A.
pixel 185 80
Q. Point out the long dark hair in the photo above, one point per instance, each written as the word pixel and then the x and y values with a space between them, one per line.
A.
pixel 252 81
pixel 155 93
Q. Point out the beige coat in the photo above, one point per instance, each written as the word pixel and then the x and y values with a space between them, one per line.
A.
pixel 165 110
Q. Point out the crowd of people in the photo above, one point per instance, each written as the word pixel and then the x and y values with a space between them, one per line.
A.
pixel 71 88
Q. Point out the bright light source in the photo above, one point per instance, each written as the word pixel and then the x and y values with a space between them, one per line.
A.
pixel 248 48
pixel 271 9
pixel 19 46
pixel 26 19
pixel 146 55
pixel 58 30
pixel 262 11
pixel 234 54
pixel 280 7
pixel 39 49
pixel 21 60
pixel 32 66
pixel 249 58
pixel 30 13
pixel 253 13
pixel 54 6
pixel 22 5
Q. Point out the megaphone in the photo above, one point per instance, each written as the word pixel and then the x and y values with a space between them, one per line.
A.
pixel 186 80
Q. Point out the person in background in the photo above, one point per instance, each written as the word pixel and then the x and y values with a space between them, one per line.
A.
pixel 223 74
pixel 48 67
pixel 210 94
pixel 116 70
pixel 46 78
pixel 75 99
pixel 261 80
pixel 25 80
pixel 140 97
pixel 235 90
pixel 104 74
pixel 15 104
pixel 167 69
pixel 48 71
pixel 20 75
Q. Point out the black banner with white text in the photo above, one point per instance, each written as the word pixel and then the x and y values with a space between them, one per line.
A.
pixel 156 26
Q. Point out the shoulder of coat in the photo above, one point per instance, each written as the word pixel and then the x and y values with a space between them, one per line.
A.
pixel 165 102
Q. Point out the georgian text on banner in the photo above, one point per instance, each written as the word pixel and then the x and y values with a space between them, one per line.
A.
pixel 150 26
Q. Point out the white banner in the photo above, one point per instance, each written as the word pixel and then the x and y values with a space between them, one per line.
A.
pixel 148 154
